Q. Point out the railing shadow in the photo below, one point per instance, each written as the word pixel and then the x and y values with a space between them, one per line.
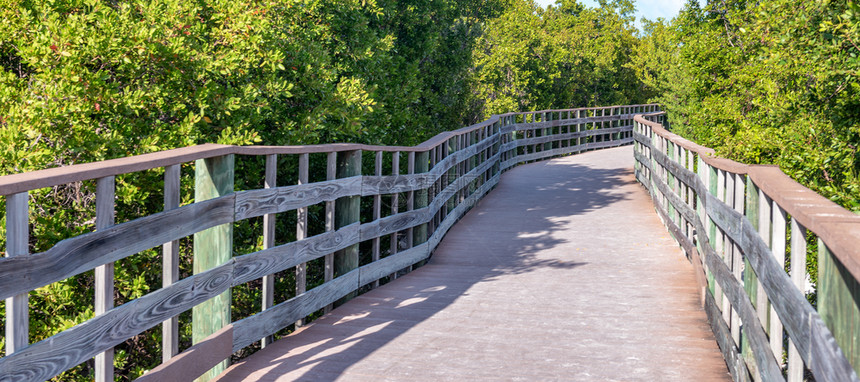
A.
pixel 512 231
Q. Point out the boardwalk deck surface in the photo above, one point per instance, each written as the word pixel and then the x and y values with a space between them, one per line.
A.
pixel 563 272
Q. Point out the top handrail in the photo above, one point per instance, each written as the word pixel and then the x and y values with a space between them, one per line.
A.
pixel 16 183
pixel 836 226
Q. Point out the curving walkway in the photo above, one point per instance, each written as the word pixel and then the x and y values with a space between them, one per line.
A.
pixel 563 272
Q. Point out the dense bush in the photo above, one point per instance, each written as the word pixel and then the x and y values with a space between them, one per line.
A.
pixel 774 82
pixel 567 55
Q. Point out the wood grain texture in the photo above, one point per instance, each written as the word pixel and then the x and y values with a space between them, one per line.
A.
pixel 394 246
pixel 258 264
pixel 255 203
pixel 10 184
pixel 734 361
pixel 798 277
pixel 395 223
pixel 170 263
pixel 330 174
pixel 17 242
pixel 838 300
pixel 347 212
pixel 81 253
pixel 377 212
pixel 302 229
pixel 421 197
pixel 195 360
pixel 270 181
pixel 47 358
pixel 104 274
pixel 392 263
pixel 248 330
pixel 213 178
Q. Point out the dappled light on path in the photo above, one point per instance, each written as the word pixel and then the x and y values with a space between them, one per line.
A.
pixel 563 272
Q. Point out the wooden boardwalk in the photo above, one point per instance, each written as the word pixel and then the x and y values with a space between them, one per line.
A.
pixel 563 272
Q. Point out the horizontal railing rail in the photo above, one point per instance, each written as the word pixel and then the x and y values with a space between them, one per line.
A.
pixel 745 229
pixel 443 178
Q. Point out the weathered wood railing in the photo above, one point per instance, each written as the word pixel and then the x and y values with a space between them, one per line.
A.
pixel 731 220
pixel 443 178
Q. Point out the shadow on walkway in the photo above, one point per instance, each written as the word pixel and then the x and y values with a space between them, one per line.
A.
pixel 467 308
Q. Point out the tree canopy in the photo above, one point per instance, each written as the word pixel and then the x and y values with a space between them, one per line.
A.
pixel 773 82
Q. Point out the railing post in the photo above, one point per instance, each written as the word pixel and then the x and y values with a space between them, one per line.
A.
pixel 302 229
pixel 170 263
pixel 777 246
pixel 377 210
pixel 422 161
pixel 212 247
pixel 838 300
pixel 17 239
pixel 347 210
pixel 331 174
pixel 271 180
pixel 798 278
pixel 750 281
pixel 395 201
pixel 737 257
pixel 104 274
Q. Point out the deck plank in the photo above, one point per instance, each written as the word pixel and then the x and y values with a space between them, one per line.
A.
pixel 563 272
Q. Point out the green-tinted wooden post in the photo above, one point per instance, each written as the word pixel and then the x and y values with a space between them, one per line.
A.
pixel 838 300
pixel 346 212
pixel 212 247
pixel 421 197
pixel 750 280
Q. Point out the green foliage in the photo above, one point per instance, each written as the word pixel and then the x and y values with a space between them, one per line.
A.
pixel 765 82
pixel 532 59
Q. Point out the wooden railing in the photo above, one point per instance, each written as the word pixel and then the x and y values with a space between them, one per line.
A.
pixel 732 220
pixel 443 178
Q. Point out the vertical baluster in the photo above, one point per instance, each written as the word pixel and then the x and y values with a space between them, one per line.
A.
pixel 764 223
pixel 331 174
pixel 798 277
pixel 170 264
pixel 17 239
pixel 410 197
pixel 104 274
pixel 451 174
pixel 719 246
pixel 432 192
pixel 737 256
pixel 750 279
pixel 704 175
pixel 546 118
pixel 778 249
pixel 271 180
pixel 302 230
pixel 463 167
pixel 419 232
pixel 728 247
pixel 395 200
pixel 838 303
pixel 377 209
pixel 348 211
